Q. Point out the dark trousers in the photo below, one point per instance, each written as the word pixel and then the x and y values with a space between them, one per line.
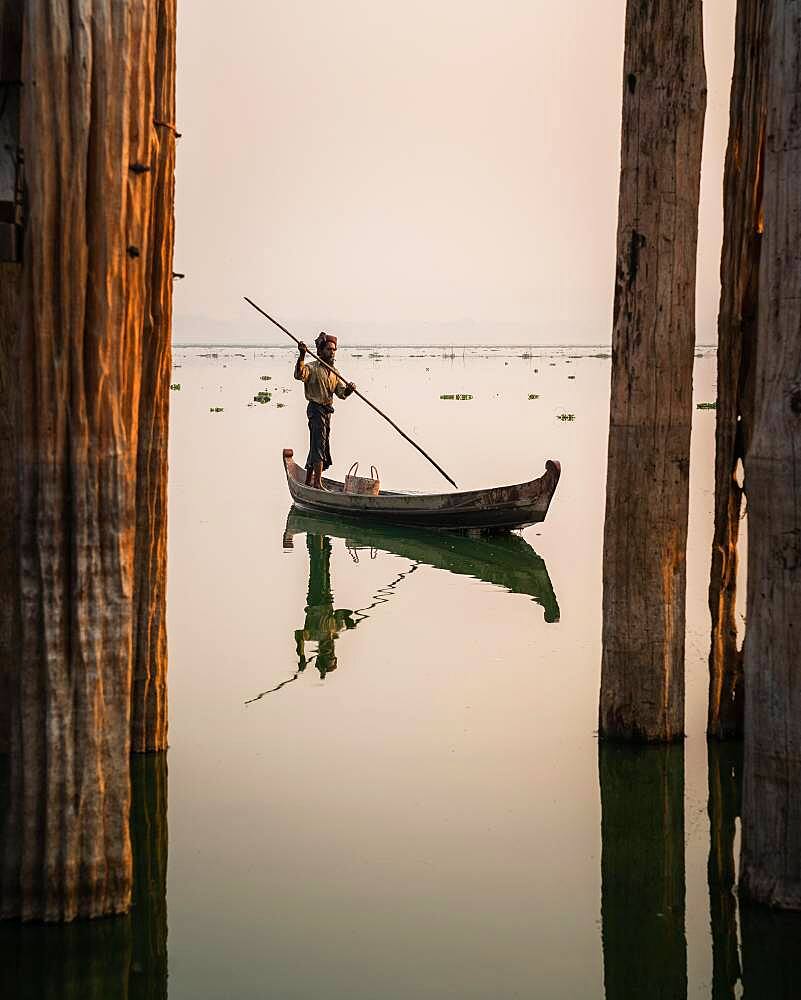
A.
pixel 319 434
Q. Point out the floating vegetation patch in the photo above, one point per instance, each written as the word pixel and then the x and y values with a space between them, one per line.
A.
pixel 374 355
pixel 357 355
pixel 265 378
pixel 571 376
pixel 262 396
pixel 216 409
pixel 280 406
pixel 456 395
pixel 566 416
pixel 706 406
pixel 533 395
pixel 600 355
pixel 176 386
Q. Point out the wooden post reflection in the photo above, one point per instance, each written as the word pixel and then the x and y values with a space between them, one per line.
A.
pixel 123 957
pixel 642 871
pixel 771 949
pixel 148 979
pixel 724 768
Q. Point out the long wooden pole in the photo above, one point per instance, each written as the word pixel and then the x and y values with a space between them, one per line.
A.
pixel 331 368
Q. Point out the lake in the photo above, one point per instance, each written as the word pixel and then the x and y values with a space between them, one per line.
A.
pixel 384 776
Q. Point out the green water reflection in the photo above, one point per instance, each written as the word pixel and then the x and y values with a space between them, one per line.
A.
pixel 642 871
pixel 724 769
pixel 506 561
pixel 770 941
pixel 118 957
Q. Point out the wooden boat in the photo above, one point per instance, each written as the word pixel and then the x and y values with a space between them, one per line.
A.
pixel 504 560
pixel 498 508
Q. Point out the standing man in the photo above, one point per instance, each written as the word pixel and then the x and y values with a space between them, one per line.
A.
pixel 320 386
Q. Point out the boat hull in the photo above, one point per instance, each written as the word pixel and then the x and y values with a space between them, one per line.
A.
pixel 496 509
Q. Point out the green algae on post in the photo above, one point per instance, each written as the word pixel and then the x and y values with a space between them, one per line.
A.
pixel 706 406
pixel 176 386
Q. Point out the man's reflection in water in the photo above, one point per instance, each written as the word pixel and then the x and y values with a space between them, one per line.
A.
pixel 323 624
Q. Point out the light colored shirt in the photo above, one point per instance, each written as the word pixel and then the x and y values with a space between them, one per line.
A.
pixel 320 385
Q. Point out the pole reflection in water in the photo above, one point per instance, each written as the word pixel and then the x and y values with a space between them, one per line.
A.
pixel 113 957
pixel 505 560
pixel 642 871
pixel 771 940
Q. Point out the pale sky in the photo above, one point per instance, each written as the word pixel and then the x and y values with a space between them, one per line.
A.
pixel 414 171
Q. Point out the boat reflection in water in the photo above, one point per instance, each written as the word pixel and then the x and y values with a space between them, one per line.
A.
pixel 506 560
pixel 123 956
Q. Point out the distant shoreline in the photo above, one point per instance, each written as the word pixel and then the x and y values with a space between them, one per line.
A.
pixel 420 347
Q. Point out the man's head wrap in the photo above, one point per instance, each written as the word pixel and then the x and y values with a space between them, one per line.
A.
pixel 325 338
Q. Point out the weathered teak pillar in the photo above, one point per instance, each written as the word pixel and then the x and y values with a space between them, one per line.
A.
pixel 724 767
pixel 10 271
pixel 87 114
pixel 771 844
pixel 664 99
pixel 642 871
pixel 149 693
pixel 737 330
pixel 9 581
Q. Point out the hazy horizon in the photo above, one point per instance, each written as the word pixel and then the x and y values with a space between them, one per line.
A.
pixel 414 173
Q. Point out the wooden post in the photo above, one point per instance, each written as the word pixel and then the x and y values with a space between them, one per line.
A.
pixel 771 842
pixel 647 489
pixel 737 330
pixel 642 871
pixel 85 111
pixel 149 692
pixel 10 271
pixel 9 555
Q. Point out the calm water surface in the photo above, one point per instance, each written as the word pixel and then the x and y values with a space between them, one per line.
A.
pixel 384 779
